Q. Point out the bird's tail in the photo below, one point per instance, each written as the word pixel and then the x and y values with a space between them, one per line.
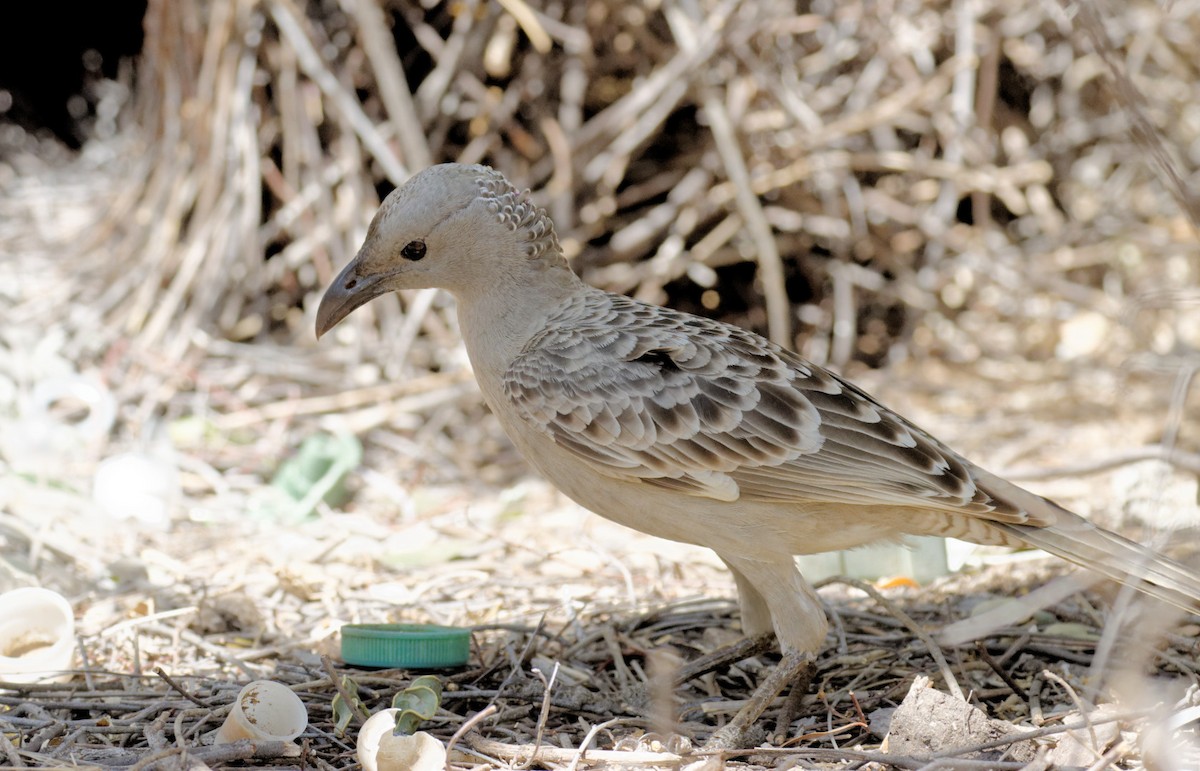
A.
pixel 1118 558
pixel 1067 535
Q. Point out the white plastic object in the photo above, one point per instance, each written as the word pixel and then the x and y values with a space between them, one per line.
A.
pixel 136 486
pixel 381 750
pixel 264 710
pixel 41 440
pixel 102 406
pixel 922 558
pixel 37 636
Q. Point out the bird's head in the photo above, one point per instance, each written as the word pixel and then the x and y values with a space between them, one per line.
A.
pixel 455 227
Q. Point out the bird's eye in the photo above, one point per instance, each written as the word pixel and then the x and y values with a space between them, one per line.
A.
pixel 413 250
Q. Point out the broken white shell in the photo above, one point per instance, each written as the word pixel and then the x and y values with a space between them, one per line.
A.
pixel 264 710
pixel 37 636
pixel 381 750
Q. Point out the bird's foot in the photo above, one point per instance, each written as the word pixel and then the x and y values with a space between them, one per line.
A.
pixel 795 668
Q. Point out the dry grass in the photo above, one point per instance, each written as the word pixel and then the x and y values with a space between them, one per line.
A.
pixel 995 200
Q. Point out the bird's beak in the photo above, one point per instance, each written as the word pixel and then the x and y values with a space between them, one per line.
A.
pixel 348 291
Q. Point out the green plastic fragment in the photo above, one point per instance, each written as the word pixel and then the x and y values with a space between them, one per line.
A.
pixel 316 473
pixel 417 703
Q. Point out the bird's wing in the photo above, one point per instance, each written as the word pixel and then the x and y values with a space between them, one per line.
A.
pixel 645 393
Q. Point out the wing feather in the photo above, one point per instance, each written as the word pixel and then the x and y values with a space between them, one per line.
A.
pixel 648 394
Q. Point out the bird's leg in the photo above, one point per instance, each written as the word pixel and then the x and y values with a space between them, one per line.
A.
pixel 756 612
pixel 771 591
pixel 794 666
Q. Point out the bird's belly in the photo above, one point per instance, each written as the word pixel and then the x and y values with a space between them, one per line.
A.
pixel 729 527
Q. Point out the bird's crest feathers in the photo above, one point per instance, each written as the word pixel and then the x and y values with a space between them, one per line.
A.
pixel 513 208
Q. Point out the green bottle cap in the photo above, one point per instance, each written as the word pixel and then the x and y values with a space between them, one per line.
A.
pixel 405 646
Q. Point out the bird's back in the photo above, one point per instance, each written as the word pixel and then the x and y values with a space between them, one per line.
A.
pixel 673 399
